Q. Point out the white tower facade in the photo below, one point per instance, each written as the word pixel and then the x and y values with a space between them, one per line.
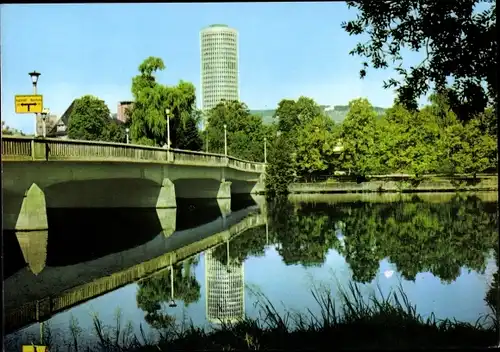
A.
pixel 219 65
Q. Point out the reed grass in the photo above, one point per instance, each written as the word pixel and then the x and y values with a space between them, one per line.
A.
pixel 373 322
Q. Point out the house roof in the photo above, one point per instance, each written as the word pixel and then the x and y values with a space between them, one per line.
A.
pixel 64 119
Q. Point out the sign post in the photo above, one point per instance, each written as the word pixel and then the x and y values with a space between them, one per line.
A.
pixel 29 104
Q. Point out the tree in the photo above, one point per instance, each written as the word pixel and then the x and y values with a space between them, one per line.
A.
pixel 7 131
pixel 89 119
pixel 148 124
pixel 245 132
pixel 413 140
pixel 460 47
pixel 188 136
pixel 115 132
pixel 280 170
pixel 292 114
pixel 468 149
pixel 315 146
pixel 440 108
pixel 358 138
pixel 488 122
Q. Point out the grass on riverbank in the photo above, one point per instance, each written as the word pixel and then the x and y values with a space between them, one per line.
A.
pixel 379 322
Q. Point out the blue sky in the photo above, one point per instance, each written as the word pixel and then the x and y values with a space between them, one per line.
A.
pixel 286 50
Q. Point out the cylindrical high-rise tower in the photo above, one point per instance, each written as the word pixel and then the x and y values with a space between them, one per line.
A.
pixel 219 65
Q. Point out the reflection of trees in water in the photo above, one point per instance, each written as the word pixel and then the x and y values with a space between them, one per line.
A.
pixel 416 236
pixel 304 237
pixel 493 294
pixel 252 242
pixel 155 292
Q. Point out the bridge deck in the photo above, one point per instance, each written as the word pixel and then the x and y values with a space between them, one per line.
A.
pixel 51 149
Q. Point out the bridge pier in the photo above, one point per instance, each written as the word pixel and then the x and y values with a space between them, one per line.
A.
pixel 34 248
pixel 260 186
pixel 167 219
pixel 224 191
pixel 166 198
pixel 33 213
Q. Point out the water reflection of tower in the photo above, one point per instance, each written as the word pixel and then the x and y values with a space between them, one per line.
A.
pixel 224 285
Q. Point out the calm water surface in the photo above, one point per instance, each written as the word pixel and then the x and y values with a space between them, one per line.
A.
pixel 441 248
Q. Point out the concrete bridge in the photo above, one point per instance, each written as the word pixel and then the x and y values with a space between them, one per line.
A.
pixel 55 173
pixel 33 298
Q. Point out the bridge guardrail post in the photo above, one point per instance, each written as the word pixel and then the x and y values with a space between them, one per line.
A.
pixel 170 156
pixel 40 149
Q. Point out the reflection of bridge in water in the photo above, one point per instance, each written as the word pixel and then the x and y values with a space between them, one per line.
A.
pixel 33 298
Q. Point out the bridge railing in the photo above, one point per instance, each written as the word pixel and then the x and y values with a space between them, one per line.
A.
pixel 28 148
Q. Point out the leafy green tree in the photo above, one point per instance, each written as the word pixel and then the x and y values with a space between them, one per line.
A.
pixel 468 149
pixel 280 170
pixel 291 115
pixel 316 144
pixel 89 119
pixel 245 132
pixel 358 138
pixel 458 43
pixel 412 141
pixel 115 132
pixel 488 122
pixel 148 123
pixel 189 136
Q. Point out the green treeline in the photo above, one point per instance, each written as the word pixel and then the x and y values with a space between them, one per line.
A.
pixel 303 142
pixel 425 141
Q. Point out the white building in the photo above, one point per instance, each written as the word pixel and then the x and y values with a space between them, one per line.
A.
pixel 219 65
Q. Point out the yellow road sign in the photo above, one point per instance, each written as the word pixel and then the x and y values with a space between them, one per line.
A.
pixel 35 348
pixel 29 104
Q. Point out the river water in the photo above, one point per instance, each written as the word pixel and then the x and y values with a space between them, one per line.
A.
pixel 441 249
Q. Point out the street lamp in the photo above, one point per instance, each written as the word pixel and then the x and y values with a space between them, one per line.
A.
pixel 206 144
pixel 225 140
pixel 45 113
pixel 34 79
pixel 127 130
pixel 167 111
pixel 265 150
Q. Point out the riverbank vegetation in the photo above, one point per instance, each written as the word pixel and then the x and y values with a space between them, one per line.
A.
pixel 377 321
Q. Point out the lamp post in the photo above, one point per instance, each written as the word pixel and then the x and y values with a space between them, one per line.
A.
pixel 225 140
pixel 34 79
pixel 167 111
pixel 127 130
pixel 265 150
pixel 206 144
pixel 45 113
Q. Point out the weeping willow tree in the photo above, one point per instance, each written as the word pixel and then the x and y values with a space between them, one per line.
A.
pixel 148 124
